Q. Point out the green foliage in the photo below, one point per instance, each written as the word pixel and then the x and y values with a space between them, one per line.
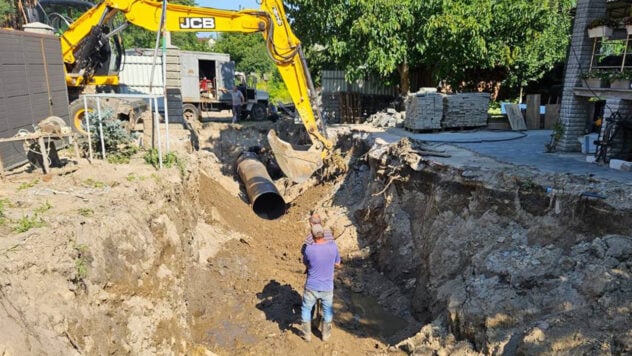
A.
pixel 83 258
pixel 598 73
pixel 6 9
pixel 4 203
pixel 248 51
pixel 115 138
pixel 462 42
pixel 85 212
pixel 556 136
pixel 94 183
pixel 123 155
pixel 138 37
pixel 602 21
pixel 169 160
pixel 43 208
pixel 276 88
pixel 27 185
pixel 27 222
pixel 625 74
pixel 133 177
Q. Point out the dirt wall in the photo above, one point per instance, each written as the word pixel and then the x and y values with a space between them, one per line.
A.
pixel 499 264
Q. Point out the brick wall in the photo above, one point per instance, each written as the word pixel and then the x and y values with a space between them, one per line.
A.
pixel 574 110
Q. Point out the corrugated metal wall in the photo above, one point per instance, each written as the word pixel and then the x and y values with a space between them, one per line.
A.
pixel 334 81
pixel 136 74
pixel 352 102
pixel 32 87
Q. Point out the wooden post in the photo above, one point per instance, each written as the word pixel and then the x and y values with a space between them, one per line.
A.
pixel 551 116
pixel 1 169
pixel 44 152
pixel 533 112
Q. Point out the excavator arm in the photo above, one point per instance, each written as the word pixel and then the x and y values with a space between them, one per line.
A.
pixel 283 47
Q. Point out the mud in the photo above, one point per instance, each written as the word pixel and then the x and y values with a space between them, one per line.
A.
pixel 437 259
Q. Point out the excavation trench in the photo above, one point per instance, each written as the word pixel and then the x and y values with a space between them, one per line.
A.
pixel 490 262
pixel 436 259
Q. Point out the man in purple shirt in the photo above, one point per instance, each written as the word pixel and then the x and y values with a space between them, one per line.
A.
pixel 321 258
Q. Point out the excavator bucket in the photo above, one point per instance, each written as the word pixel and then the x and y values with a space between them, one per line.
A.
pixel 297 162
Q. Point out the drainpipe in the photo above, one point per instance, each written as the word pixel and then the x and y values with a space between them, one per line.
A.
pixel 264 197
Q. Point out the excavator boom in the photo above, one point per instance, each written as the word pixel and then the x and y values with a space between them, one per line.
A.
pixel 282 45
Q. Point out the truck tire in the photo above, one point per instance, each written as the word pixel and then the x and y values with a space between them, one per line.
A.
pixel 77 112
pixel 190 111
pixel 258 112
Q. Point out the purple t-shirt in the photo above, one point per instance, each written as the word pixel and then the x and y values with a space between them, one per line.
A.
pixel 320 260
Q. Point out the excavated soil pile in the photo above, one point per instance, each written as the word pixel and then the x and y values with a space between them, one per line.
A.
pixel 436 259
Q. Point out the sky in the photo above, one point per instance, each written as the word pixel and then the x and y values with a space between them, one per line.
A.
pixel 228 4
pixel 225 5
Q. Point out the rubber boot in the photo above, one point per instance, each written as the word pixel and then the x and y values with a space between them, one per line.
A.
pixel 326 330
pixel 307 331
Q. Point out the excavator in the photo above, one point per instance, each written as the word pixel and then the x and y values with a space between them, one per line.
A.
pixel 90 59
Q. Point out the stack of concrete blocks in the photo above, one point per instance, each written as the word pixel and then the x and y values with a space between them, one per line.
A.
pixel 424 111
pixel 465 110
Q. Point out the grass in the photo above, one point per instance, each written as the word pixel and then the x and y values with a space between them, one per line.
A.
pixel 94 183
pixel 132 177
pixel 43 208
pixel 169 160
pixel 123 155
pixel 26 223
pixel 85 212
pixel 27 185
pixel 4 203
pixel 82 261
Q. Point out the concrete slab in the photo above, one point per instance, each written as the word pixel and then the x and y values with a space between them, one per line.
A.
pixel 526 149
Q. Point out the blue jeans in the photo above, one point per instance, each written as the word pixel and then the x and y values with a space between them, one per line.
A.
pixel 309 299
pixel 236 113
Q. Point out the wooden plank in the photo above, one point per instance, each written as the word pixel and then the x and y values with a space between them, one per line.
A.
pixel 551 116
pixel 533 112
pixel 515 117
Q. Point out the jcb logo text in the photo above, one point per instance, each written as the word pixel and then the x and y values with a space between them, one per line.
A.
pixel 197 22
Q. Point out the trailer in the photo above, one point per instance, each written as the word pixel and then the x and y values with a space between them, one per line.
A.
pixel 202 82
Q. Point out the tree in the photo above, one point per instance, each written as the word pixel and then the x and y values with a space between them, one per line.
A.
pixel 482 43
pixel 364 37
pixel 466 43
pixel 6 10
pixel 138 37
pixel 248 51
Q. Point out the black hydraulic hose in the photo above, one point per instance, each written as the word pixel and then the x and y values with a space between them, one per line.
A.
pixel 264 197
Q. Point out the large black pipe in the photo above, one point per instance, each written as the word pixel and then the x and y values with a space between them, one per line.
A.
pixel 264 197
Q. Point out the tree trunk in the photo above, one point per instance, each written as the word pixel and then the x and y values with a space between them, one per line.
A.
pixel 404 78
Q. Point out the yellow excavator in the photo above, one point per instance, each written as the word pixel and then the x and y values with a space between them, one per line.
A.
pixel 90 59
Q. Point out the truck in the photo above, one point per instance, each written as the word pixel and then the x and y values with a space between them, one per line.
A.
pixel 205 82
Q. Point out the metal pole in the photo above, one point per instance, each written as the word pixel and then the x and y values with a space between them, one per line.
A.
pixel 164 72
pixel 156 124
pixel 85 116
pixel 100 126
